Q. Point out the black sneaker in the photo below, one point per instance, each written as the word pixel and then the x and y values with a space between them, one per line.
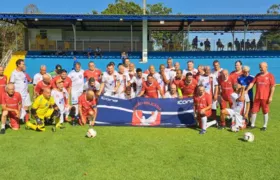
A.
pixel 202 131
pixel 3 131
pixel 221 127
pixel 263 129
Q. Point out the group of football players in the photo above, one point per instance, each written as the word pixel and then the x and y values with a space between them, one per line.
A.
pixel 209 88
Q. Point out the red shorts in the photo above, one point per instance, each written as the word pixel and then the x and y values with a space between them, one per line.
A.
pixel 84 116
pixel 207 114
pixel 14 120
pixel 224 103
pixel 260 103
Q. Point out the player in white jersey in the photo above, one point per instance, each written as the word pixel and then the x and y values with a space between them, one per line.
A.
pixel 169 66
pixel 18 78
pixel 206 80
pixel 109 81
pixel 61 98
pixel 128 94
pixel 190 69
pixel 39 77
pixel 77 78
pixel 92 85
pixel 173 72
pixel 137 81
pixel 216 71
pixel 172 93
pixel 126 65
pixel 123 80
pixel 240 108
pixel 162 78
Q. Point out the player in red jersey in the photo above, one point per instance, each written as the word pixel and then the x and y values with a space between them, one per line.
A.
pixel 265 86
pixel 237 72
pixel 67 82
pixel 225 89
pixel 41 85
pixel 151 88
pixel 202 107
pixel 179 78
pixel 188 86
pixel 92 71
pixel 11 107
pixel 87 108
pixel 3 83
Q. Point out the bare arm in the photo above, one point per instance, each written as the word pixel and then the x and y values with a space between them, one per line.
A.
pixel 165 80
pixel 141 93
pixel 101 89
pixel 246 113
pixel 272 89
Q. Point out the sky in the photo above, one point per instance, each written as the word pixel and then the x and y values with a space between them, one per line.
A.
pixel 182 6
pixel 178 6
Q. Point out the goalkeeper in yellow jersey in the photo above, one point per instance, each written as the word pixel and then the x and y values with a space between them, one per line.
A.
pixel 45 111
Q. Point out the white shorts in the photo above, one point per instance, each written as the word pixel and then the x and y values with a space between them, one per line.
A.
pixel 75 96
pixel 214 105
pixel 111 94
pixel 26 100
pixel 236 117
pixel 63 111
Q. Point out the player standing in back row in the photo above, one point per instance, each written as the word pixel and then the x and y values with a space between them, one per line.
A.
pixel 18 78
pixel 265 86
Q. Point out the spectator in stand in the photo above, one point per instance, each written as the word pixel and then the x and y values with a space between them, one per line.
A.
pixel 124 56
pixel 207 45
pixel 56 71
pixel 98 52
pixel 11 107
pixel 89 52
pixel 237 72
pixel 188 86
pixel 41 85
pixel 92 71
pixel 67 82
pixel 172 93
pixel 3 83
pixel 190 69
pixel 151 88
pixel 59 52
pixel 237 45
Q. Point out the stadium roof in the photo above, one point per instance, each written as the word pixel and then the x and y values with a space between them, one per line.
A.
pixel 199 22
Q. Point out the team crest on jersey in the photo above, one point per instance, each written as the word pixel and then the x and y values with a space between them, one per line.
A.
pixel 47 104
pixel 80 76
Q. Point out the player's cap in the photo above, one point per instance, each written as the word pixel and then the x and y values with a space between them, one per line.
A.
pixel 58 67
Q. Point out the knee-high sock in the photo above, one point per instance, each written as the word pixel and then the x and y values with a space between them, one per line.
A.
pixel 22 113
pixel 77 110
pixel 204 122
pixel 265 118
pixel 211 123
pixel 30 125
pixel 253 119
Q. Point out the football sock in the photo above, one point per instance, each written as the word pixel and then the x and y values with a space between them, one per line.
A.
pixel 265 118
pixel 2 126
pixel 211 123
pixel 26 118
pixel 253 119
pixel 30 125
pixel 204 122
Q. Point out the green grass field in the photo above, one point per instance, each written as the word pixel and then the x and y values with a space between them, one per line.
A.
pixel 142 153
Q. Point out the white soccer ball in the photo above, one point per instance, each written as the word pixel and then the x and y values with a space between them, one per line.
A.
pixel 249 137
pixel 91 133
pixel 234 128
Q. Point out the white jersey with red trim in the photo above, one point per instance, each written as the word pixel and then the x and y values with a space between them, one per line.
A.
pixel 60 98
pixel 238 106
pixel 21 83
pixel 160 81
pixel 109 82
pixel 77 80
pixel 205 81
pixel 194 72
pixel 123 79
pixel 139 82
pixel 39 77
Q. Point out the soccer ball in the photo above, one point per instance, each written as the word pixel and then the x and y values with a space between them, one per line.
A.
pixel 91 133
pixel 234 128
pixel 249 137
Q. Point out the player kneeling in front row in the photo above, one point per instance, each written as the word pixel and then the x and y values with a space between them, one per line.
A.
pixel 11 107
pixel 240 108
pixel 45 111
pixel 87 108
pixel 202 108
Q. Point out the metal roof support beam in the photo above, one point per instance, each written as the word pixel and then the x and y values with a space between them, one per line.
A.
pixel 74 33
pixel 131 37
pixel 145 41
pixel 246 25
